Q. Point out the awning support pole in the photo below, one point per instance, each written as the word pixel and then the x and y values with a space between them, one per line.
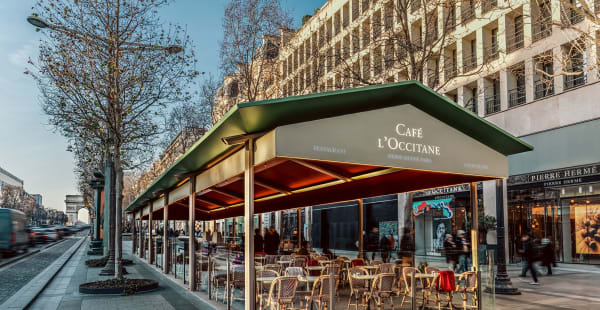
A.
pixel 361 246
pixel 298 213
pixel 249 279
pixel 141 235
pixel 165 241
pixel 192 232
pixel 150 237
pixel 474 226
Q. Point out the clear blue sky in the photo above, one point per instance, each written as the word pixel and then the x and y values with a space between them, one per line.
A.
pixel 28 147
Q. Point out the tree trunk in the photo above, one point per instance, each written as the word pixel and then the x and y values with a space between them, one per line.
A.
pixel 109 269
pixel 118 218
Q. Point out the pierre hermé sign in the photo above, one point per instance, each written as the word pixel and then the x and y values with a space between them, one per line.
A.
pixel 558 177
pixel 399 137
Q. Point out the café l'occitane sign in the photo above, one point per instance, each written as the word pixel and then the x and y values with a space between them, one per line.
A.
pixel 403 143
pixel 400 136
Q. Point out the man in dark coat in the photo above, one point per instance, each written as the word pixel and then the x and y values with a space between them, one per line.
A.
pixel 258 241
pixel 530 255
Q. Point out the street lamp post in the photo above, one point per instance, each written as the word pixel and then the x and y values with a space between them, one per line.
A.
pixel 114 48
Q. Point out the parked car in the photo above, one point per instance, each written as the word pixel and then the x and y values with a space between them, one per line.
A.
pixel 13 235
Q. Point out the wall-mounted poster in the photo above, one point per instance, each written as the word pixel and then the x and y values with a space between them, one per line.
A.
pixel 420 207
pixel 441 226
pixel 587 229
pixel 387 228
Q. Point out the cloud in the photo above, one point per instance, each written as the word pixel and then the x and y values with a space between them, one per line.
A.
pixel 22 55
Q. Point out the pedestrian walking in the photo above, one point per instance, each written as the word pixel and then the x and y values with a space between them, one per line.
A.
pixel 385 246
pixel 464 252
pixel 451 251
pixel 373 242
pixel 530 256
pixel 258 241
pixel 548 257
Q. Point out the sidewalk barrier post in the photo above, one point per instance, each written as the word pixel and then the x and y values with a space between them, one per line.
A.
pixel 479 294
pixel 413 291
pixel 331 288
pixel 227 293
pixel 210 264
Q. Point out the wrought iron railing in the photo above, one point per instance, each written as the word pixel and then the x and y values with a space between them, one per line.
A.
pixel 515 41
pixel 450 70
pixel 471 105
pixel 491 52
pixel 516 96
pixel 571 81
pixel 542 30
pixel 543 88
pixel 469 63
pixel 488 5
pixel 492 104
pixel 467 13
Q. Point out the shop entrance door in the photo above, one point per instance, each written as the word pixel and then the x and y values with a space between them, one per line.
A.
pixel 540 217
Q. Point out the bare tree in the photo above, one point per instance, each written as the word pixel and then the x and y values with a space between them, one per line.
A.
pixel 250 46
pixel 108 69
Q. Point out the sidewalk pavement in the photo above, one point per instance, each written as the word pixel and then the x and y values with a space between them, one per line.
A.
pixel 63 291
pixel 570 287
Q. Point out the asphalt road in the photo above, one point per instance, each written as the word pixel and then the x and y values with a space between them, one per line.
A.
pixel 18 274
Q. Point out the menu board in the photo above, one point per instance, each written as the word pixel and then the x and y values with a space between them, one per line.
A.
pixel 587 229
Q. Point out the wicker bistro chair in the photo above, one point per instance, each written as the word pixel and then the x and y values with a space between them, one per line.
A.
pixel 358 287
pixel 407 281
pixel 386 268
pixel 237 282
pixel 437 295
pixel 376 262
pixel 320 293
pixel 262 288
pixel 337 272
pixel 218 281
pixel 431 270
pixel 382 289
pixel 270 259
pixel 299 261
pixel 281 294
pixel 467 287
pixel 297 272
pixel 274 267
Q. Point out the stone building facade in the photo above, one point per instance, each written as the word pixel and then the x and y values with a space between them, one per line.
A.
pixel 528 66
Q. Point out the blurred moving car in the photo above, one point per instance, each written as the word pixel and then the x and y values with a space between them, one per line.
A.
pixel 13 234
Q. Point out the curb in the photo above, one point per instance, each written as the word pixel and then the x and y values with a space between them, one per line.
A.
pixel 185 291
pixel 29 253
pixel 28 293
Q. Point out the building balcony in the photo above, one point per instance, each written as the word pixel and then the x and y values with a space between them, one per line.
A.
pixel 450 71
pixel 541 31
pixel 471 105
pixel 433 78
pixel 492 104
pixel 488 5
pixel 516 96
pixel 467 14
pixel 491 53
pixel 543 88
pixel 572 81
pixel 571 16
pixel 469 63
pixel 515 41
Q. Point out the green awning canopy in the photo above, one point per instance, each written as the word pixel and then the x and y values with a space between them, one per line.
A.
pixel 261 116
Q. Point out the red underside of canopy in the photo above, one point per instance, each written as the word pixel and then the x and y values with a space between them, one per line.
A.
pixel 286 176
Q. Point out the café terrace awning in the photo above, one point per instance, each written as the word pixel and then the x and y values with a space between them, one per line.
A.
pixel 330 147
